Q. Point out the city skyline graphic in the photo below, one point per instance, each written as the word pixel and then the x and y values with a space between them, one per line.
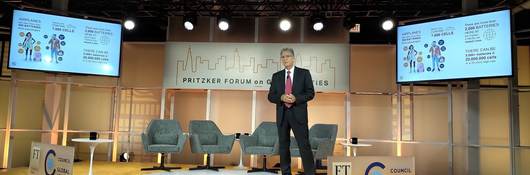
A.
pixel 251 66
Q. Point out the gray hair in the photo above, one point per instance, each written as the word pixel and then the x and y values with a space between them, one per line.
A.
pixel 287 49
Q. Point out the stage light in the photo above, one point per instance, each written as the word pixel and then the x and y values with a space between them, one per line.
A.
pixel 189 22
pixel 124 157
pixel 318 23
pixel 188 25
pixel 318 26
pixel 387 24
pixel 223 23
pixel 285 24
pixel 129 24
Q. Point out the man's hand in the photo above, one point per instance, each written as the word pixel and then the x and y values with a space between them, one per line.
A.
pixel 284 98
pixel 289 98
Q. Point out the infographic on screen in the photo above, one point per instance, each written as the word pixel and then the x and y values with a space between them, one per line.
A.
pixel 465 47
pixel 63 44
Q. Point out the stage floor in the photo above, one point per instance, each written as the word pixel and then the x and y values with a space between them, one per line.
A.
pixel 122 168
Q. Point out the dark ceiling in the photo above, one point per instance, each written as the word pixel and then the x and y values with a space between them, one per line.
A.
pixel 151 15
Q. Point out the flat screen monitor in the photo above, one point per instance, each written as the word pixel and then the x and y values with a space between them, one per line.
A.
pixel 54 43
pixel 474 46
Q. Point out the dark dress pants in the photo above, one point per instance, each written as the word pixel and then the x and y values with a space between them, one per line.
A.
pixel 300 131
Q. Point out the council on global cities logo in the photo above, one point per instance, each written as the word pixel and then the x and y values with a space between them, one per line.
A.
pixel 375 171
pixel 49 163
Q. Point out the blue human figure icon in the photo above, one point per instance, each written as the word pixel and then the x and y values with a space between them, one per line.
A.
pixel 55 46
pixel 435 56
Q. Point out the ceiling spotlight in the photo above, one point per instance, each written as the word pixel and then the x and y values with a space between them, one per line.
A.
pixel 129 24
pixel 189 22
pixel 318 23
pixel 188 25
pixel 285 25
pixel 223 23
pixel 387 24
pixel 318 26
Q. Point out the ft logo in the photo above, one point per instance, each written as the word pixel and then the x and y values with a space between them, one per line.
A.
pixel 341 168
pixel 35 153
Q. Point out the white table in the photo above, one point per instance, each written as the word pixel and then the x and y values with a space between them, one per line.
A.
pixel 354 146
pixel 240 166
pixel 93 144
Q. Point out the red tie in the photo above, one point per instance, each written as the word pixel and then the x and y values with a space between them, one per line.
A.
pixel 288 87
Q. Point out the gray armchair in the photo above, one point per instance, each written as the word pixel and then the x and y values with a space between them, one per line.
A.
pixel 206 138
pixel 163 136
pixel 264 141
pixel 322 139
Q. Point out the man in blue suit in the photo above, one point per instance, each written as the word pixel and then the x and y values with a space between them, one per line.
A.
pixel 291 89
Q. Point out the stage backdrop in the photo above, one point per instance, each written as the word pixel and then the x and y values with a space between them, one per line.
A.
pixel 249 66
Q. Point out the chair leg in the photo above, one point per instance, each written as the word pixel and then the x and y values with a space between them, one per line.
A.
pixel 264 168
pixel 207 166
pixel 162 165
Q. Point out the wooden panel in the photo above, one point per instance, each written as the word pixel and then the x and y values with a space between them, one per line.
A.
pixel 372 68
pixel 143 64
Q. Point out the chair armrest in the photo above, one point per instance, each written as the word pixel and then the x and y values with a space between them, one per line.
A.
pixel 195 144
pixel 247 141
pixel 227 140
pixel 276 148
pixel 145 141
pixel 181 140
pixel 324 147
